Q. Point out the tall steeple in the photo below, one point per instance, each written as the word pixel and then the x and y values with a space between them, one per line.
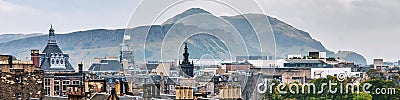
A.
pixel 186 55
pixel 186 66
pixel 52 36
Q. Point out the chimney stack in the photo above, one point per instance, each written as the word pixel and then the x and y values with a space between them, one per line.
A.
pixel 35 58
pixel 10 60
pixel 80 67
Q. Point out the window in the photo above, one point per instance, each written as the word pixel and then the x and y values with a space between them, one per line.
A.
pixel 62 62
pixel 46 82
pixel 64 88
pixel 56 88
pixel 47 90
pixel 47 86
pixel 65 82
pixel 75 82
pixel 64 85
pixel 57 61
pixel 52 61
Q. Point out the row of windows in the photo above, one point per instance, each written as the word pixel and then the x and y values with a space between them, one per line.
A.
pixel 60 87
pixel 295 78
pixel 57 61
pixel 47 82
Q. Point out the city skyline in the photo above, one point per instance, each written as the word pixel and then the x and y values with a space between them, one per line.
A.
pixel 199 50
pixel 344 22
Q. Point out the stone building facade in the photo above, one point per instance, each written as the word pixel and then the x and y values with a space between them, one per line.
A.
pixel 58 71
pixel 19 79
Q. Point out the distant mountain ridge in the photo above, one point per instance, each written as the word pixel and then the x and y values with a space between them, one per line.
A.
pixel 10 37
pixel 83 46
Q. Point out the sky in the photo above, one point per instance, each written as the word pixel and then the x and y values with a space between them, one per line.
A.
pixel 368 27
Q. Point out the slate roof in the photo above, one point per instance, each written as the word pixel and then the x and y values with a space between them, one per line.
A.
pixel 171 81
pixel 45 65
pixel 106 65
pixel 53 48
pixel 151 66
pixel 156 78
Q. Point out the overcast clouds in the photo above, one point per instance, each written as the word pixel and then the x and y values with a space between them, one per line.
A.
pixel 369 27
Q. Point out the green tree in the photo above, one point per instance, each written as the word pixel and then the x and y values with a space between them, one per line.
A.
pixel 375 74
pixel 362 96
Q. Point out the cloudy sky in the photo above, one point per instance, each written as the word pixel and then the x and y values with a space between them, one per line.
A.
pixel 369 27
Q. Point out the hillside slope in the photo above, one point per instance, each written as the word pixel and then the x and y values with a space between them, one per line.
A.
pixel 220 37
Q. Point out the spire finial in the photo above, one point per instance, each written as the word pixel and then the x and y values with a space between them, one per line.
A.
pixel 51 29
pixel 51 35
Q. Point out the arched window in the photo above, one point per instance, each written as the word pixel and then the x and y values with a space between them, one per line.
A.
pixel 57 61
pixel 52 61
pixel 62 61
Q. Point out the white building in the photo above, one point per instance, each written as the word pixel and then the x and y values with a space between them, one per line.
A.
pixel 323 72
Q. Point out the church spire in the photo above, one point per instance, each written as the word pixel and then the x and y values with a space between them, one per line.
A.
pixel 186 66
pixel 51 31
pixel 52 35
pixel 186 55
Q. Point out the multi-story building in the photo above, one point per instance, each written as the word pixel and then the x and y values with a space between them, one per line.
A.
pixel 19 79
pixel 378 64
pixel 58 71
pixel 126 53
pixel 106 65
pixel 235 66
pixel 311 63
pixel 241 58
